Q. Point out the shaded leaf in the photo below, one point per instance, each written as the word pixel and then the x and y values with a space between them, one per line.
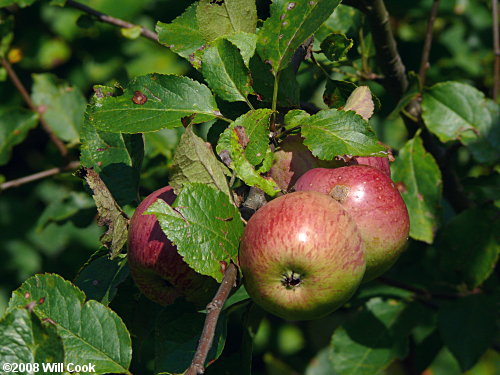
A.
pixel 418 178
pixel 24 339
pixel 216 18
pixel 6 33
pixel 335 46
pixel 110 214
pixel 225 71
pixel 62 106
pixel 204 225
pixel 195 161
pixel 331 132
pixel 469 245
pixel 14 127
pixel 154 102
pixel 246 43
pixel 337 92
pixel 468 327
pixel 290 24
pixel 90 332
pixel 177 334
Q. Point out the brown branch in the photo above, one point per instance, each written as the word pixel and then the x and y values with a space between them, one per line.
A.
pixel 424 62
pixel 496 49
pixel 26 96
pixel 112 20
pixel 38 176
pixel 214 309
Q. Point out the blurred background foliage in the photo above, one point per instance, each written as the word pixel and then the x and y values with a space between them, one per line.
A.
pixel 49 225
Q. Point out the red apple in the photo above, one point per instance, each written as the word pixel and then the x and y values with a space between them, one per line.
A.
pixel 156 267
pixel 301 256
pixel 292 159
pixel 374 202
pixel 378 162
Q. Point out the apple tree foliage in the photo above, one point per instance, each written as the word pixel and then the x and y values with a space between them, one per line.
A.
pixel 203 107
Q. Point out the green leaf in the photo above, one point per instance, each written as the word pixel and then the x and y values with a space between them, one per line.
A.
pixel 321 364
pixel 246 43
pixel 194 161
pixel 295 117
pixel 131 32
pixel 361 102
pixel 110 214
pixel 182 35
pixel 24 339
pixel 253 132
pixel 468 327
pixel 419 181
pixel 376 336
pixel 64 207
pixel 21 3
pixel 344 19
pixel 456 111
pixel 100 278
pixel 6 34
pixel 62 106
pixel 468 246
pixel 116 157
pixel 263 84
pixel 204 225
pixel 337 92
pixel 14 126
pixel 290 24
pixel 90 332
pixel 154 102
pixel 219 18
pixel 335 46
pixel 225 71
pixel 330 133
pixel 177 334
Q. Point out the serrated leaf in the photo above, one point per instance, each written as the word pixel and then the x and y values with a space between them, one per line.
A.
pixel 204 225
pixel 290 24
pixel 456 111
pixel 294 118
pixel 62 106
pixel 335 46
pixel 354 352
pixel 90 332
pixel 154 102
pixel 24 339
pixel 110 214
pixel 177 334
pixel 246 43
pixel 330 133
pixel 468 327
pixel 469 247
pixel 361 102
pixel 100 278
pixel 225 71
pixel 253 132
pixel 194 161
pixel 419 180
pixel 337 92
pixel 263 84
pixel 182 35
pixel 14 127
pixel 116 157
pixel 218 18
pixel 6 34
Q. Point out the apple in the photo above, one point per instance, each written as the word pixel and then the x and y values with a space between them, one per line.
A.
pixel 375 204
pixel 156 267
pixel 292 159
pixel 378 162
pixel 301 256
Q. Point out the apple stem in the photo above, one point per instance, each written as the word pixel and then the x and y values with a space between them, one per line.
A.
pixel 214 309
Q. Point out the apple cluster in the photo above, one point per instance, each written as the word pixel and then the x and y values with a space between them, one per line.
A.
pixel 304 254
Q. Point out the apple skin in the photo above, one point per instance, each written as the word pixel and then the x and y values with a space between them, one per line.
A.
pixel 155 265
pixel 378 162
pixel 375 204
pixel 292 160
pixel 301 256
